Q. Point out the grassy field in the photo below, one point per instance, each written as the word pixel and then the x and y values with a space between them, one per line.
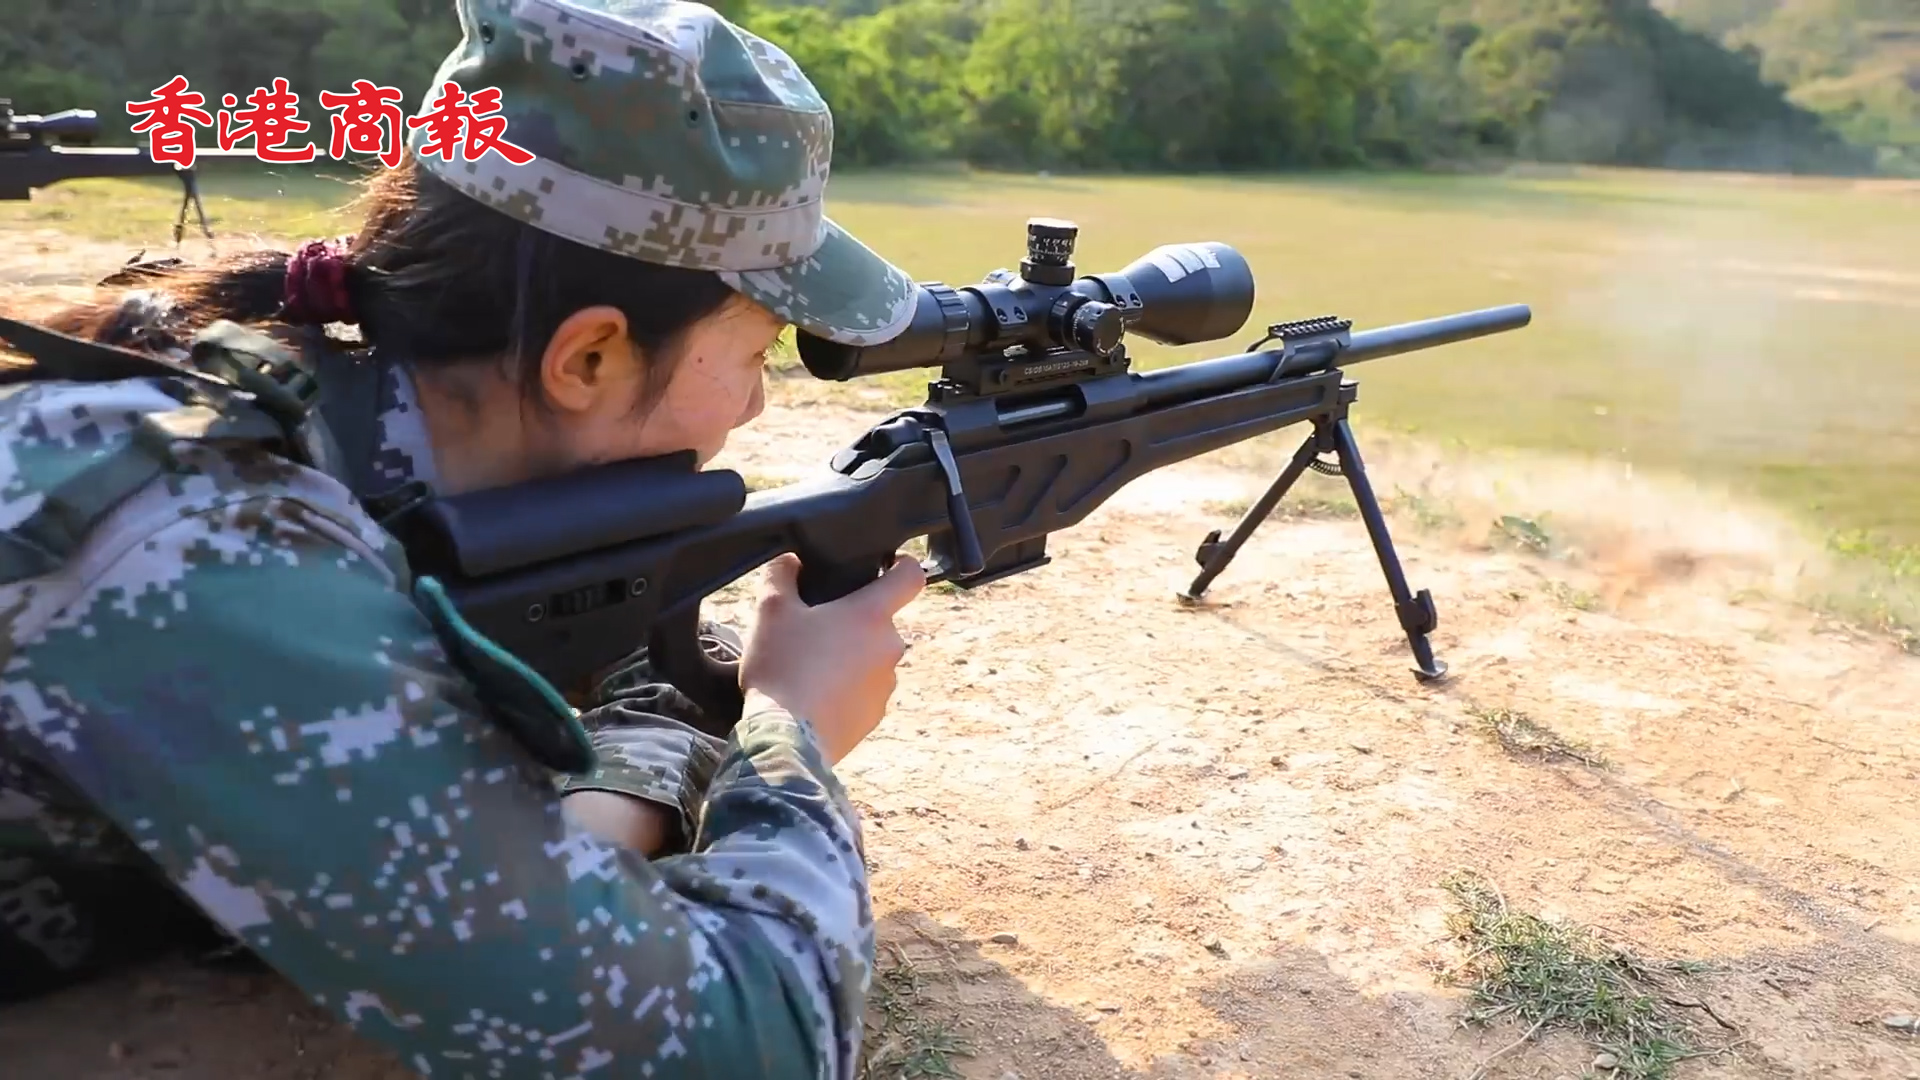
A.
pixel 1763 333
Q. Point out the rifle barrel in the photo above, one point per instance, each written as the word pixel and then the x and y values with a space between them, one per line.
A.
pixel 1427 333
pixel 1202 378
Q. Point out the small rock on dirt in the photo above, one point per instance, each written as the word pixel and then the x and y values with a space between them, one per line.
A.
pixel 1604 1060
pixel 1021 843
pixel 1005 937
pixel 1236 772
pixel 1902 1022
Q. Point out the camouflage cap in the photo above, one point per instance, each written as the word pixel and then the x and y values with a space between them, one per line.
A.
pixel 664 132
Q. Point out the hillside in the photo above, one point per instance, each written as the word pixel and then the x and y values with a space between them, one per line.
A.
pixel 1611 81
pixel 1147 84
pixel 1856 62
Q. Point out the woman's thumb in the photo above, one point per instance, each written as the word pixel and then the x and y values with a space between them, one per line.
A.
pixel 900 584
pixel 783 575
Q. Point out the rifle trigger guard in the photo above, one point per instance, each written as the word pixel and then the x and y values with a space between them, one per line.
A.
pixel 968 558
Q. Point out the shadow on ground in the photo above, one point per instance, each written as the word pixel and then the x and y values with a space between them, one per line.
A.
pixel 185 1022
pixel 942 1007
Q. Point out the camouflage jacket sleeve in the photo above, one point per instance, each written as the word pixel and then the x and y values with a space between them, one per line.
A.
pixel 229 673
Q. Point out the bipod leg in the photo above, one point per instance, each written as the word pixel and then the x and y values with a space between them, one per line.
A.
pixel 1214 555
pixel 1416 612
pixel 190 195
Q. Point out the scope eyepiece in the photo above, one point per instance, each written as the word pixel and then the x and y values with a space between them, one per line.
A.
pixel 1177 294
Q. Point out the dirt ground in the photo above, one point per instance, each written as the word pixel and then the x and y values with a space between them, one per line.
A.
pixel 1116 836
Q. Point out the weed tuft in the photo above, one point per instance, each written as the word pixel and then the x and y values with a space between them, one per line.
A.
pixel 1551 975
pixel 1525 534
pixel 1577 599
pixel 1521 736
pixel 1428 512
pixel 902 1043
pixel 1877 587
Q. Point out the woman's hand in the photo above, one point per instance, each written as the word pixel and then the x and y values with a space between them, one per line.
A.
pixel 831 666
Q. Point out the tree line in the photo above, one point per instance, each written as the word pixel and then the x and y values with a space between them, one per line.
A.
pixel 1068 84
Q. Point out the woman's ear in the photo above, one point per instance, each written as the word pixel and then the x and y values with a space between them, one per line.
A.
pixel 588 359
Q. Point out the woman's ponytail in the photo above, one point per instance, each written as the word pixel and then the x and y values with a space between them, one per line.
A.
pixel 434 274
pixel 171 299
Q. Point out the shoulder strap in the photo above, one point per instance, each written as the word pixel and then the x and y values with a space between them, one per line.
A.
pixel 242 386
pixel 350 389
pixel 71 359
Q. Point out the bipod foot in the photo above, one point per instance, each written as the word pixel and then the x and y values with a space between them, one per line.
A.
pixel 1214 553
pixel 1416 612
pixel 1194 594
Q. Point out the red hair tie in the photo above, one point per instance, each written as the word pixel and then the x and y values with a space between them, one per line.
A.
pixel 316 287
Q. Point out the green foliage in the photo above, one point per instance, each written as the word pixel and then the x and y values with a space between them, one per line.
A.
pixel 1560 976
pixel 1132 84
pixel 892 78
pixel 1597 81
pixel 104 55
pixel 1854 62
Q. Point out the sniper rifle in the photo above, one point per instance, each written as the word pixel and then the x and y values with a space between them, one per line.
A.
pixel 39 151
pixel 1034 421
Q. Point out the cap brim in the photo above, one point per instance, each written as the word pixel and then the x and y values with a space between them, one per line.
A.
pixel 843 292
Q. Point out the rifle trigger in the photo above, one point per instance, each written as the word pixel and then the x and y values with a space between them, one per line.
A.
pixel 967 553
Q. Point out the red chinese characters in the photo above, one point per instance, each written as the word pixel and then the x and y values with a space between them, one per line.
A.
pixel 170 137
pixel 457 121
pixel 270 119
pixel 366 121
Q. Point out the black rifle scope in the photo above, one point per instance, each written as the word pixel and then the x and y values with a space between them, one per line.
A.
pixel 75 126
pixel 1178 294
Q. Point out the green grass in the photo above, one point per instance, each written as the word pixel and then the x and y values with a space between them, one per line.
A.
pixel 1878 586
pixel 902 1041
pixel 1551 975
pixel 242 198
pixel 1759 332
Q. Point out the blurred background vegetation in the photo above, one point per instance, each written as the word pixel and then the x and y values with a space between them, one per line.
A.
pixel 1811 86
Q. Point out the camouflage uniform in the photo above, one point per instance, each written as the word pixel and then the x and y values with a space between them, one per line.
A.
pixel 222 696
